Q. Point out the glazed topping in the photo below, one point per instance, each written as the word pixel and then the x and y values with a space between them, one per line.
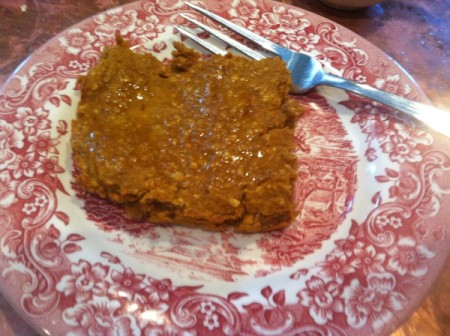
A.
pixel 199 141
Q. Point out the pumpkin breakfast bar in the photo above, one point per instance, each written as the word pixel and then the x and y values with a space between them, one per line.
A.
pixel 200 141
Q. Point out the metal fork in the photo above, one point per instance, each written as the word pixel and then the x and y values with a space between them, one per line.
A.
pixel 307 72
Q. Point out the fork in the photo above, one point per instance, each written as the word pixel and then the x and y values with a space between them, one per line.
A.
pixel 307 72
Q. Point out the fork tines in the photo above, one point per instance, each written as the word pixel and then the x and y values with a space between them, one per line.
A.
pixel 222 37
pixel 264 43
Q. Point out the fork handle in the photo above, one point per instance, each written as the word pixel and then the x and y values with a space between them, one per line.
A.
pixel 429 115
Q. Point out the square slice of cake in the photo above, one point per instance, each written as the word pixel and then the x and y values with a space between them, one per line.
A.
pixel 200 141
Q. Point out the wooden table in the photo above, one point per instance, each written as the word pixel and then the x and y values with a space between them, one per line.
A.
pixel 415 33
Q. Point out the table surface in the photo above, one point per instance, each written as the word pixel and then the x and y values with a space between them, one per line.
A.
pixel 415 33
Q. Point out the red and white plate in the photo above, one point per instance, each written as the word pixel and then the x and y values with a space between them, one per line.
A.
pixel 373 192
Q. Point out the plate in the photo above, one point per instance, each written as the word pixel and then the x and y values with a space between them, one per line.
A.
pixel 373 191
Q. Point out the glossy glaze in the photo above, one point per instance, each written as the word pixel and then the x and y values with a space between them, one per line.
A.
pixel 184 143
